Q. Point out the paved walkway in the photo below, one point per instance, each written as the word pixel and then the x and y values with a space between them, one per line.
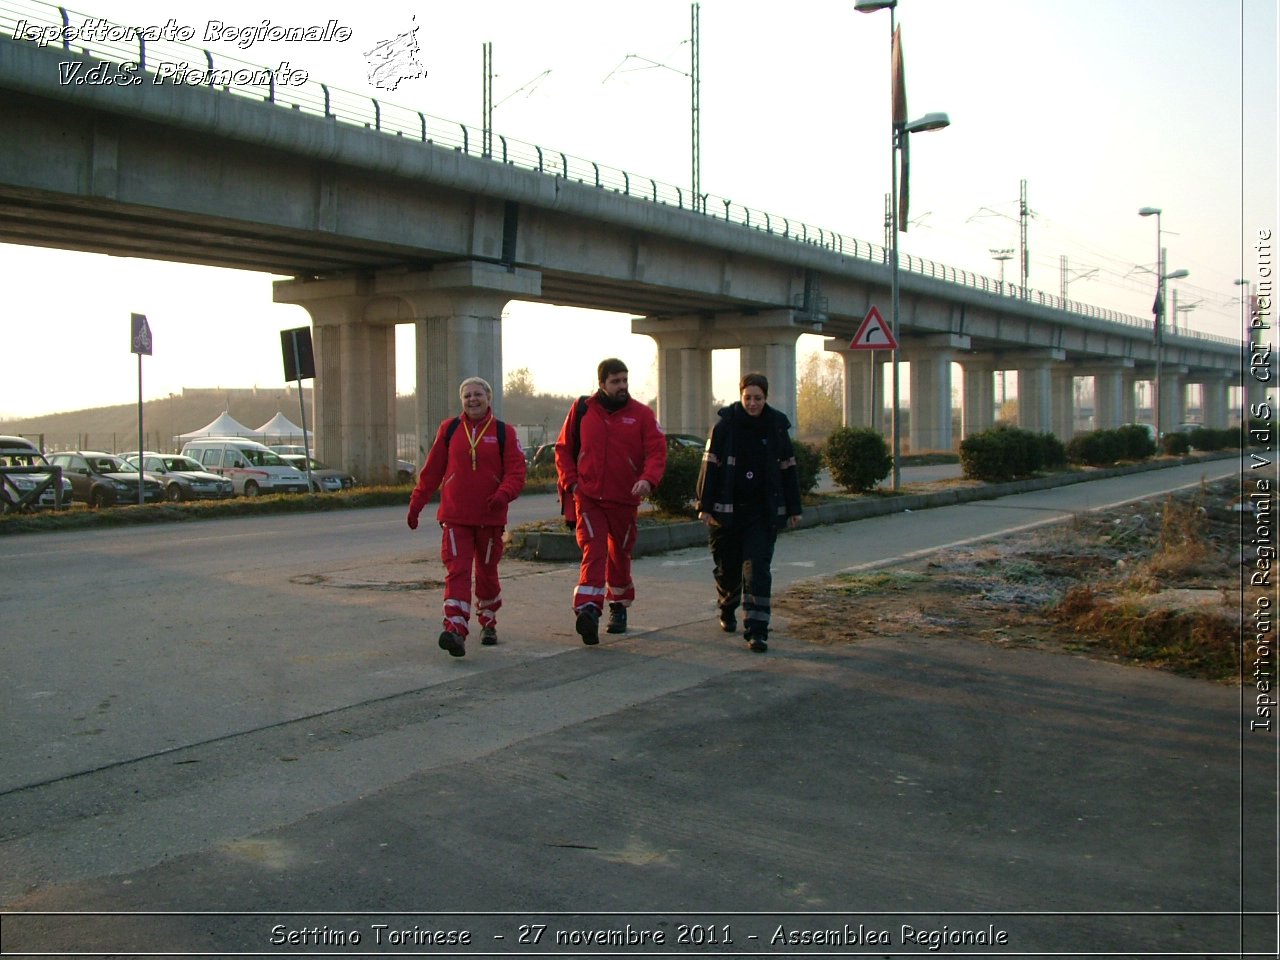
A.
pixel 880 797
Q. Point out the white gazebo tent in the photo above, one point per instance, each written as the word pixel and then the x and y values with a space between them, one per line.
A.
pixel 223 425
pixel 280 429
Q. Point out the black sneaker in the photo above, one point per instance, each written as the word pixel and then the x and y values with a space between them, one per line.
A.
pixel 728 622
pixel 489 636
pixel 757 645
pixel 454 643
pixel 588 626
pixel 617 619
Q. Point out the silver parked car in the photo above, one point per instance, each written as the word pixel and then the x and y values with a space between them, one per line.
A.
pixel 323 477
pixel 183 478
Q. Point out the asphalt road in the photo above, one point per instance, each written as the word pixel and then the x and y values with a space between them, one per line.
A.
pixel 252 715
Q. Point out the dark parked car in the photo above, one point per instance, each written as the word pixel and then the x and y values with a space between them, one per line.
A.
pixel 183 478
pixel 101 479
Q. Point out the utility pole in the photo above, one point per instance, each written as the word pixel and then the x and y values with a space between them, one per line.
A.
pixel 695 74
pixel 1023 214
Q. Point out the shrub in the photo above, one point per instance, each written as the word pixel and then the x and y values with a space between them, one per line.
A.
pixel 1004 453
pixel 980 458
pixel 1098 448
pixel 809 464
pixel 1208 439
pixel 1053 452
pixel 679 483
pixel 1135 441
pixel 1104 447
pixel 1176 444
pixel 858 458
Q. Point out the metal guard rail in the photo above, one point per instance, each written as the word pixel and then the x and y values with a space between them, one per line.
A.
pixel 341 106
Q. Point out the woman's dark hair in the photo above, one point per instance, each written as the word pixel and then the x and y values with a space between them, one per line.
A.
pixel 608 368
pixel 754 380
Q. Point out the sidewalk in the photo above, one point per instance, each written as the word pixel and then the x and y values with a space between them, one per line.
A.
pixel 668 777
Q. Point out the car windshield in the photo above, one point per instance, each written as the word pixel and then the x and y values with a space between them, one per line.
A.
pixel 22 458
pixel 109 465
pixel 262 458
pixel 181 463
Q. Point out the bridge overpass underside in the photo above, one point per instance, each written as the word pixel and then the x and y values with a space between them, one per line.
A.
pixel 375 230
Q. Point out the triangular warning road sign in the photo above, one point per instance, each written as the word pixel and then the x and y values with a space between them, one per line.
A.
pixel 874 334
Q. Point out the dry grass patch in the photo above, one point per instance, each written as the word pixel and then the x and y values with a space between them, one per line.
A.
pixel 1152 583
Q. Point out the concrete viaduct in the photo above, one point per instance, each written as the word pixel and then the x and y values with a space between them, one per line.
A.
pixel 377 227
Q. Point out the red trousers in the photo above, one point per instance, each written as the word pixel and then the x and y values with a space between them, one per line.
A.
pixel 462 548
pixel 606 532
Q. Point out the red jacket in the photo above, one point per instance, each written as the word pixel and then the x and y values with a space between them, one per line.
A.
pixel 617 449
pixel 464 491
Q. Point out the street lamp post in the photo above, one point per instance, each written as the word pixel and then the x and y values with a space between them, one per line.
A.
pixel 901 130
pixel 1158 395
pixel 1001 256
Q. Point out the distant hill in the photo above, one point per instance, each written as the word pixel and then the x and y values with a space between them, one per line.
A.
pixel 115 428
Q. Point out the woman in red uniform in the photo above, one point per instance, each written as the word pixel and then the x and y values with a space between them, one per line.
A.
pixel 477 465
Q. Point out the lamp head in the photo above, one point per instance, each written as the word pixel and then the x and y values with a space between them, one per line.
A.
pixel 871 6
pixel 1177 274
pixel 1149 212
pixel 930 121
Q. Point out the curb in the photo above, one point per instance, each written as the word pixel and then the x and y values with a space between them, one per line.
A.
pixel 554 547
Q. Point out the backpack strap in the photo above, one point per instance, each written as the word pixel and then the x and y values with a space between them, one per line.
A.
pixel 579 411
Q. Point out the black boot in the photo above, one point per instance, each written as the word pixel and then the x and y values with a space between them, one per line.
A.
pixel 588 626
pixel 757 635
pixel 617 619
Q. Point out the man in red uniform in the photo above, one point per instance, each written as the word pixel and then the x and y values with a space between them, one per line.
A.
pixel 610 455
pixel 478 472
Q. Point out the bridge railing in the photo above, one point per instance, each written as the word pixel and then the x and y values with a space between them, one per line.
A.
pixel 180 62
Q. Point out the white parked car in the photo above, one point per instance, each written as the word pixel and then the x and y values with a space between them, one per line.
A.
pixel 252 467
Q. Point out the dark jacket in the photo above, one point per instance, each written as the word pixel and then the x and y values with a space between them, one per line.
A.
pixel 727 456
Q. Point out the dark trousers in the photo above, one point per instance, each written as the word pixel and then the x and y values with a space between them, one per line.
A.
pixel 743 555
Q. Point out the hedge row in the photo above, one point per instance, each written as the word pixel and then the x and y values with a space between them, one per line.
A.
pixel 1100 448
pixel 1007 453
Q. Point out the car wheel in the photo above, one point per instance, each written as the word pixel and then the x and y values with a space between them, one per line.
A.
pixel 174 492
pixel 97 499
pixel 250 488
pixel 404 476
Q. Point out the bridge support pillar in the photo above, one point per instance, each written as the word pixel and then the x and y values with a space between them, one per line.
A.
pixel 1172 397
pixel 457 308
pixel 355 381
pixel 1128 396
pixel 930 375
pixel 863 385
pixel 1063 383
pixel 1112 392
pixel 766 343
pixel 1215 410
pixel 1035 388
pixel 978 403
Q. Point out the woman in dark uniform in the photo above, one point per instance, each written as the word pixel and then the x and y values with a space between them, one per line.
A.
pixel 748 489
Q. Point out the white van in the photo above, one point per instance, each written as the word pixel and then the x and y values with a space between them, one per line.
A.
pixel 252 467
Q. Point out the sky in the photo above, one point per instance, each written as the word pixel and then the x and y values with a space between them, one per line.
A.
pixel 1101 106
